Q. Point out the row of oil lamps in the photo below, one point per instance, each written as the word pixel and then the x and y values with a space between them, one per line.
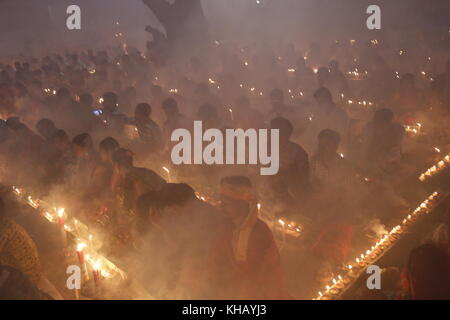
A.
pixel 354 268
pixel 85 247
pixel 435 169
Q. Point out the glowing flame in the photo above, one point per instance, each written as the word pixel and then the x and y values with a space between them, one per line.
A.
pixel 81 246
pixel 61 212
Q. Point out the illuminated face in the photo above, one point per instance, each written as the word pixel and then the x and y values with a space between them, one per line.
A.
pixel 326 146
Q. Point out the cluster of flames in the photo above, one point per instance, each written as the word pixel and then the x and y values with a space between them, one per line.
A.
pixel 435 169
pixel 356 267
pixel 290 228
pixel 85 246
pixel 413 129
pixel 49 91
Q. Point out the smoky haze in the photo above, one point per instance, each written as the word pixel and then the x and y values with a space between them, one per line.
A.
pixel 35 26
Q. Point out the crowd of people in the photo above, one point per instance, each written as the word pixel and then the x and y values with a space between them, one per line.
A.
pixel 93 129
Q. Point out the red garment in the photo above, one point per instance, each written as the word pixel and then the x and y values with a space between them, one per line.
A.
pixel 258 277
pixel 334 242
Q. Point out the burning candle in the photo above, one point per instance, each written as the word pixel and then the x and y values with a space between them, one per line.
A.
pixel 96 273
pixel 168 173
pixel 80 252
pixel 60 213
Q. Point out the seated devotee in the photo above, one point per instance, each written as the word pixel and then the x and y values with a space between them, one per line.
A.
pixel 207 113
pixel 441 87
pixel 174 218
pixel 245 261
pixel 29 153
pixel 86 158
pixel 391 286
pixel 407 100
pixel 174 119
pixel 18 251
pixel 428 273
pixel 333 181
pixel 381 142
pixel 114 120
pixel 291 183
pixel 148 130
pixel 323 74
pixel 204 96
pixel 100 185
pixel 130 182
pixel 244 116
pixel 46 128
pixel 85 116
pixel 327 115
pixel 336 80
pixel 14 285
pixel 278 106
pixel 60 158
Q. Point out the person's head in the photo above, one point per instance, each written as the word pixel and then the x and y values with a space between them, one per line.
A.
pixel 122 161
pixel 60 140
pixel 107 147
pixel 110 102
pixel 142 111
pixel 383 116
pixel 63 94
pixel 323 96
pixel 170 107
pixel 276 98
pixel 13 122
pixel 234 194
pixel 407 81
pixel 322 75
pixel 284 126
pixel 428 273
pixel 82 145
pixel 174 196
pixel 169 201
pixel 86 100
pixel 46 128
pixel 328 142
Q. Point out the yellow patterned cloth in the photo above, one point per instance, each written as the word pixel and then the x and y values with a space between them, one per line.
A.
pixel 17 250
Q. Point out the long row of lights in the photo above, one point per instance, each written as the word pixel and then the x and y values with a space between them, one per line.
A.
pixel 85 246
pixel 435 169
pixel 355 268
